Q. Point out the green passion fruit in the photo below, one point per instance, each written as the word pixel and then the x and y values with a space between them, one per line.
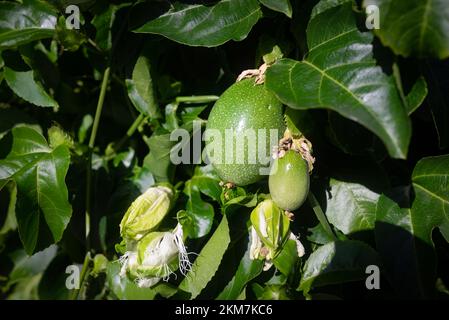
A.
pixel 240 128
pixel 289 181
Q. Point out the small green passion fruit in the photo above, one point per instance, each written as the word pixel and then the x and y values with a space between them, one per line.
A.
pixel 244 107
pixel 289 181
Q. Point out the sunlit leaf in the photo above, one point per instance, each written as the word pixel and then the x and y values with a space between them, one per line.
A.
pixel 208 26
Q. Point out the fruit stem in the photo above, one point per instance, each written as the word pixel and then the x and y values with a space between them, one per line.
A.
pixel 320 215
pixel 197 99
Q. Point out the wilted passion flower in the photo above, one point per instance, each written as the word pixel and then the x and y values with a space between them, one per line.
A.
pixel 269 232
pixel 146 213
pixel 156 256
pixel 271 226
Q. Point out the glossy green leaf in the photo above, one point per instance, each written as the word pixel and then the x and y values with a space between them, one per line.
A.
pixel 247 270
pixel 39 173
pixel 322 6
pixel 208 261
pixel 27 266
pixel 198 217
pixel 141 89
pixel 158 160
pixel 208 26
pixel 431 186
pixel 25 22
pixel 404 243
pixel 285 262
pixel 207 181
pixel 125 289
pixel 283 6
pixel 416 96
pixel 25 86
pixel 319 235
pixel 414 27
pixel 404 235
pixel 337 262
pixel 351 207
pixel 339 73
pixel 234 202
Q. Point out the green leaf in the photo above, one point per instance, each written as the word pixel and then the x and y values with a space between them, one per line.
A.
pixel 198 217
pixel 270 292
pixel 27 266
pixel 337 262
pixel 351 207
pixel 236 203
pixel 189 114
pixel 404 236
pixel 319 235
pixel 431 185
pixel 103 23
pixel 322 6
pixel 10 222
pixel 342 132
pixel 414 27
pixel 208 261
pixel 39 173
pixel 247 270
pixel 125 289
pixel 25 86
pixel 86 124
pixel 208 26
pixel 25 22
pixel 158 160
pixel 140 89
pixel 339 73
pixel 283 6
pixel 207 181
pixel 416 96
pixel 286 260
pixel 403 241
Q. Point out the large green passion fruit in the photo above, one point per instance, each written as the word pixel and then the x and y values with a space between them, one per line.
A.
pixel 289 181
pixel 244 111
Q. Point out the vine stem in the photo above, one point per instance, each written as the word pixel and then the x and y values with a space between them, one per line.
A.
pixel 320 215
pixel 93 136
pixel 76 292
pixel 139 120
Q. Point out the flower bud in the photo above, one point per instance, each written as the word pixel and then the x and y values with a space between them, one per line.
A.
pixel 146 213
pixel 271 227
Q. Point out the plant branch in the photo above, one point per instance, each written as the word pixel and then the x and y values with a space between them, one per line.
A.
pixel 84 272
pixel 93 136
pixel 139 120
